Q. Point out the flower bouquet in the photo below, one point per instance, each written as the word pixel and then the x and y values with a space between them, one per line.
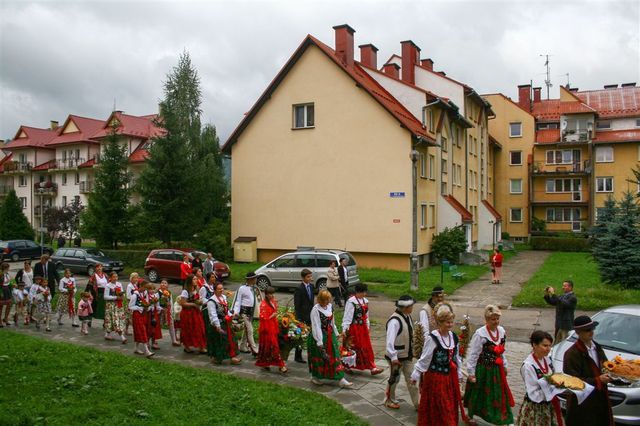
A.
pixel 292 332
pixel 464 336
pixel 119 296
pixel 165 298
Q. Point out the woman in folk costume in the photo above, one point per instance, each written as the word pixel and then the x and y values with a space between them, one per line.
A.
pixel 114 309
pixel 535 409
pixel 5 294
pixel 139 306
pixel 268 346
pixel 323 349
pixel 131 287
pixel 192 331
pixel 438 373
pixel 96 285
pixel 355 326
pixel 166 314
pixel 154 328
pixel 42 299
pixel 66 298
pixel 221 343
pixel 487 393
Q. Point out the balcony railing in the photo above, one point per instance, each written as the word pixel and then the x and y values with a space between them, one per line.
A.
pixel 86 186
pixel 541 168
pixel 17 166
pixel 46 187
pixel 576 136
pixel 560 198
pixel 69 163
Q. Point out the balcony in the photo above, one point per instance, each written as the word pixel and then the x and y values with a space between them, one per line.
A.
pixel 69 163
pixel 569 198
pixel 540 168
pixel 17 166
pixel 86 186
pixel 571 136
pixel 45 188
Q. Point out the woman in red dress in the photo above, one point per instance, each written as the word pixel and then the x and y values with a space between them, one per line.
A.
pixel 355 325
pixel 192 332
pixel 496 266
pixel 268 347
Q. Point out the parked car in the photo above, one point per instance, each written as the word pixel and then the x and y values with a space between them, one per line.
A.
pixel 15 250
pixel 165 263
pixel 618 332
pixel 84 260
pixel 284 271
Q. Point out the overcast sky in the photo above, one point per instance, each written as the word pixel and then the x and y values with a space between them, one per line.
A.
pixel 58 58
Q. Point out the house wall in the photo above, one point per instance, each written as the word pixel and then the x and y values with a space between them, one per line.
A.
pixel 626 156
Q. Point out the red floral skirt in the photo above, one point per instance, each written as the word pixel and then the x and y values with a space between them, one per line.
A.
pixel 438 401
pixel 268 349
pixel 361 344
pixel 139 322
pixel 192 332
pixel 155 332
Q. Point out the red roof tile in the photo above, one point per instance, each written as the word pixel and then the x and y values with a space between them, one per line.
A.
pixel 621 102
pixel 552 109
pixel 139 154
pixel 548 136
pixel 87 127
pixel 492 210
pixel 4 160
pixel 51 164
pixel 130 125
pixel 36 138
pixel 607 136
pixel 464 213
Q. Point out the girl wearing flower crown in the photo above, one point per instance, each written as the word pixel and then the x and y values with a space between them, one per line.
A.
pixel 192 331
pixel 66 298
pixel 139 306
pixel 114 309
pixel 154 328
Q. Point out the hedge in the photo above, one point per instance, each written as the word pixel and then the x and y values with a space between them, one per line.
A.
pixel 560 244
pixel 131 258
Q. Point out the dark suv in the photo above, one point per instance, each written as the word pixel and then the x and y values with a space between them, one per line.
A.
pixel 84 260
pixel 15 250
pixel 165 263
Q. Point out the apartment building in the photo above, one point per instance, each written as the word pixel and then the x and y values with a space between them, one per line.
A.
pixel 340 153
pixel 53 166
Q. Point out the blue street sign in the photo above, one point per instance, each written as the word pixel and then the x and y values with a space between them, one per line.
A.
pixel 396 194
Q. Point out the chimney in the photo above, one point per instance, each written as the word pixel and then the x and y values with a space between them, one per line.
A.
pixel 536 94
pixel 573 89
pixel 369 55
pixel 628 84
pixel 610 86
pixel 54 124
pixel 344 43
pixel 524 96
pixel 427 63
pixel 410 58
pixel 392 70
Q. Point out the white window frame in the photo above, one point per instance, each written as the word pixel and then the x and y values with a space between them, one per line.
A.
pixel 431 215
pixel 553 217
pixel 64 179
pixel 562 155
pixel 603 125
pixel 444 143
pixel 432 166
pixel 604 179
pixel 423 165
pixel 511 182
pixel 23 202
pixel 77 178
pixel 20 179
pixel 511 133
pixel 601 154
pixel 305 115
pixel 423 215
pixel 575 185
pixel 511 210
pixel 511 163
pixel 64 200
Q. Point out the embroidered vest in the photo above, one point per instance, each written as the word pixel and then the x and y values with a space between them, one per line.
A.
pixel 360 313
pixel 403 342
pixel 442 357
pixel 325 321
pixel 488 356
pixel 221 309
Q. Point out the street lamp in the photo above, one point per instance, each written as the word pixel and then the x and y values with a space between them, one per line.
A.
pixel 493 233
pixel 41 192
pixel 414 232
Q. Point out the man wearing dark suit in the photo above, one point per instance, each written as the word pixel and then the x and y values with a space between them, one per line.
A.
pixel 343 274
pixel 303 303
pixel 565 307
pixel 584 360
pixel 46 269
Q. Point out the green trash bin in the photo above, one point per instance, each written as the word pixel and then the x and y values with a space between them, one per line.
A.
pixel 446 265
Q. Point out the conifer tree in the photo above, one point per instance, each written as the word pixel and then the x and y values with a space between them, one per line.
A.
pixel 14 224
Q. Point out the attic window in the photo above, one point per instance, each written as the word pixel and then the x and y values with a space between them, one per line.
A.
pixel 602 125
pixel 303 116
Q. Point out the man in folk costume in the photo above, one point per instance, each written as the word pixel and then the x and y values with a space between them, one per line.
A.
pixel 584 360
pixel 426 322
pixel 399 351
pixel 244 307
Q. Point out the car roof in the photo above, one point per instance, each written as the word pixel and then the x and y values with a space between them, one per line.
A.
pixel 624 309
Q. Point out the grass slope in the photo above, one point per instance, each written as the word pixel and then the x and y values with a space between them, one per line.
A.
pixel 60 384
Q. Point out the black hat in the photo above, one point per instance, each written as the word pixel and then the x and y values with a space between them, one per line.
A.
pixel 584 323
pixel 405 301
pixel 437 290
pixel 250 275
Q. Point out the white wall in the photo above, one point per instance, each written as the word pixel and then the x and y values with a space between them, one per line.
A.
pixel 414 100
pixel 485 229
pixel 441 86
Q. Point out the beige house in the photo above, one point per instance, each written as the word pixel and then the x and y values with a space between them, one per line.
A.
pixel 330 154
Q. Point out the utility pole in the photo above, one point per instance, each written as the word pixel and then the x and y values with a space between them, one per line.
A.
pixel 547 82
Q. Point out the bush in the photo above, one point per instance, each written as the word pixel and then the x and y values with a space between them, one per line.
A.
pixel 560 244
pixel 538 224
pixel 215 238
pixel 505 236
pixel 131 258
pixel 449 243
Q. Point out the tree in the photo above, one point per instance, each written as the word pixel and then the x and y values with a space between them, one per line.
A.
pixel 64 219
pixel 14 225
pixel 450 243
pixel 106 217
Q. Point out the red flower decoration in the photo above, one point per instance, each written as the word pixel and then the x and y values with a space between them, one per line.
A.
pixel 499 361
pixel 498 349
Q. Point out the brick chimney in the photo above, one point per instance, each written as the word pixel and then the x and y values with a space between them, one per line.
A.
pixel 344 43
pixel 536 94
pixel 573 89
pixel 427 63
pixel 611 86
pixel 524 96
pixel 628 85
pixel 54 124
pixel 392 70
pixel 369 55
pixel 410 58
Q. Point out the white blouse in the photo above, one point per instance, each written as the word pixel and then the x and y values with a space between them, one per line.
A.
pixel 211 309
pixel 110 291
pixel 316 324
pixel 131 287
pixel 135 296
pixel 101 282
pixel 27 278
pixel 480 337
pixel 528 373
pixel 349 310
pixel 206 288
pixel 427 354
pixel 62 285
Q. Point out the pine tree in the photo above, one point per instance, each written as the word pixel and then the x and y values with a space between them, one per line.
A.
pixel 106 217
pixel 14 225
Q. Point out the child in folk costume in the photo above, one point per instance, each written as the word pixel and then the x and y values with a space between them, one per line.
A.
pixel 268 346
pixel 42 299
pixel 25 275
pixel 33 291
pixel 192 331
pixel 154 328
pixel 96 286
pixel 399 351
pixel 139 306
pixel 5 294
pixel 487 394
pixel 85 310
pixel 114 309
pixel 20 297
pixel 131 287
pixel 221 343
pixel 535 409
pixel 323 349
pixel 66 298
pixel 166 314
pixel 355 325
pixel 438 373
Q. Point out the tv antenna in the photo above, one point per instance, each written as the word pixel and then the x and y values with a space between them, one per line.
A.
pixel 568 86
pixel 547 82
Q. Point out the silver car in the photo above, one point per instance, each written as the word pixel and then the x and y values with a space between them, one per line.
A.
pixel 618 332
pixel 284 271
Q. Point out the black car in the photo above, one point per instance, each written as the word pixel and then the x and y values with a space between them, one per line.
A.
pixel 15 250
pixel 84 260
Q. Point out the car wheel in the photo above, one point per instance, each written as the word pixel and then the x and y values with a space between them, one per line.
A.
pixel 90 270
pixel 321 284
pixel 15 257
pixel 153 275
pixel 262 283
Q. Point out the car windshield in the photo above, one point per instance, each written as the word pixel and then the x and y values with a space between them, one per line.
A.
pixel 95 252
pixel 350 260
pixel 618 332
pixel 3 244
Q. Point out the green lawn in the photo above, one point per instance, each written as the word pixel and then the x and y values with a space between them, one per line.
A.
pixel 582 270
pixel 61 384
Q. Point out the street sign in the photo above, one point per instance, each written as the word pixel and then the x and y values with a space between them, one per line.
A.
pixel 396 194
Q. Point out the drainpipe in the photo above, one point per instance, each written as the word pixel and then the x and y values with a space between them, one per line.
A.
pixel 414 207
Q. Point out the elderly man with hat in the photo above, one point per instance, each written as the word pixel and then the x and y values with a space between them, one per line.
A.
pixel 427 319
pixel 584 360
pixel 244 306
pixel 399 351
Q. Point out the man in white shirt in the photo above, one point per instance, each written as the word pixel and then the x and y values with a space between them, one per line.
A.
pixel 244 307
pixel 208 265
